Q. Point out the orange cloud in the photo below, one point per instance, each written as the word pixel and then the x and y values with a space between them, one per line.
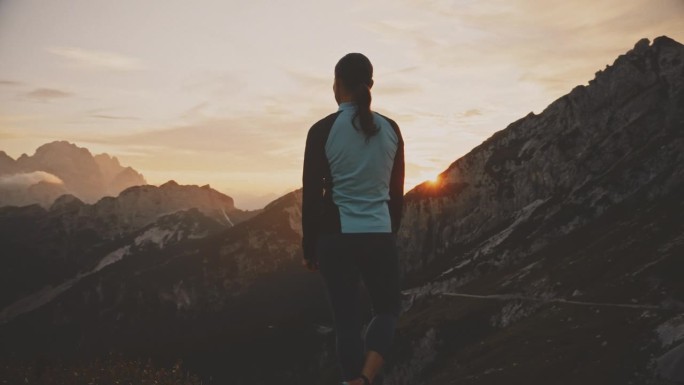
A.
pixel 28 179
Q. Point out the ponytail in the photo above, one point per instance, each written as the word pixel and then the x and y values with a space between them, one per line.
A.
pixel 362 98
pixel 356 72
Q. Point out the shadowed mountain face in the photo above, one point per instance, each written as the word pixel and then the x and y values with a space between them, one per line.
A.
pixel 580 203
pixel 59 168
pixel 223 300
pixel 47 247
pixel 551 253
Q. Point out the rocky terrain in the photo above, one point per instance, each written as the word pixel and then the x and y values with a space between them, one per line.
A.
pixel 45 247
pixel 59 168
pixel 551 253
pixel 223 300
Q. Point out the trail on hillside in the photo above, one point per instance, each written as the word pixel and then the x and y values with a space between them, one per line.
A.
pixel 508 297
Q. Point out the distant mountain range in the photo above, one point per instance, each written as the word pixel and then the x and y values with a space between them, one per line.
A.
pixel 49 246
pixel 552 253
pixel 59 168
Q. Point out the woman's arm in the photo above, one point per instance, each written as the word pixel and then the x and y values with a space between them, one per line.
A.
pixel 315 170
pixel 396 192
pixel 312 193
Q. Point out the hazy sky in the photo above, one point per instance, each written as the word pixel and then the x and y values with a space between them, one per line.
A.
pixel 223 92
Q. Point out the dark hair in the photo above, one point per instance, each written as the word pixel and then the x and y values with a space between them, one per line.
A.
pixel 355 71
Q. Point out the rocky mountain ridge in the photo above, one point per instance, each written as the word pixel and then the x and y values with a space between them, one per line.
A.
pixel 50 246
pixel 592 133
pixel 580 204
pixel 59 168
pixel 237 285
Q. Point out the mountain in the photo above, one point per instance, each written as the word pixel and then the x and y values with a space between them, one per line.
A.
pixel 59 168
pixel 46 247
pixel 220 299
pixel 137 205
pixel 7 164
pixel 551 253
pixel 117 178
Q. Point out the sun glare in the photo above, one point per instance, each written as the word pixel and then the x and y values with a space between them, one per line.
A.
pixel 434 181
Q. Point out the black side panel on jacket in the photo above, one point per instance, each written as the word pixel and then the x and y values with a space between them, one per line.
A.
pixel 319 213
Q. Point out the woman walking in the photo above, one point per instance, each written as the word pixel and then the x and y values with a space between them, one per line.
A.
pixel 352 206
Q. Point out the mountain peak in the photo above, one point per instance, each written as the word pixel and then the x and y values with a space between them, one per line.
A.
pixel 104 157
pixel 661 41
pixel 66 201
pixel 170 183
pixel 171 196
pixel 7 164
pixel 642 45
pixel 86 176
pixel 62 146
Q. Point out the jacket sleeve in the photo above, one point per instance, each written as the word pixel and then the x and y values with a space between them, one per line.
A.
pixel 396 191
pixel 312 194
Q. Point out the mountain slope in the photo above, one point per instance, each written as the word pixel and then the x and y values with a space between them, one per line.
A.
pixel 582 203
pixel 223 302
pixel 47 247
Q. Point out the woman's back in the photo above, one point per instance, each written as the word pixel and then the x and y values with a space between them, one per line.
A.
pixel 361 169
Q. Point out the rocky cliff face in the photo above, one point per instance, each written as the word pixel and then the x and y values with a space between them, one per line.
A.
pixel 531 239
pixel 117 178
pixel 138 205
pixel 593 148
pixel 59 168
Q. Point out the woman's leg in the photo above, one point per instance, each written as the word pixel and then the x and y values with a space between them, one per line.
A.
pixel 380 272
pixel 341 276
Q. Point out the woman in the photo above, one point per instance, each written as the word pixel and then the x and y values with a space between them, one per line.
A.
pixel 352 206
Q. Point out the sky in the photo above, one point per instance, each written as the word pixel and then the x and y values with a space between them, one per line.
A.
pixel 223 92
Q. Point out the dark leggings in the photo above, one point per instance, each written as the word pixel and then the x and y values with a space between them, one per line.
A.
pixel 343 259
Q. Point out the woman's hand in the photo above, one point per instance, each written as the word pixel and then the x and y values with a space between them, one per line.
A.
pixel 310 259
pixel 310 265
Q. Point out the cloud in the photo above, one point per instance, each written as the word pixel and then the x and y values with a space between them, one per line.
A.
pixel 472 112
pixel 113 117
pixel 28 179
pixel 555 46
pixel 103 113
pixel 10 83
pixel 99 60
pixel 235 140
pixel 46 94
